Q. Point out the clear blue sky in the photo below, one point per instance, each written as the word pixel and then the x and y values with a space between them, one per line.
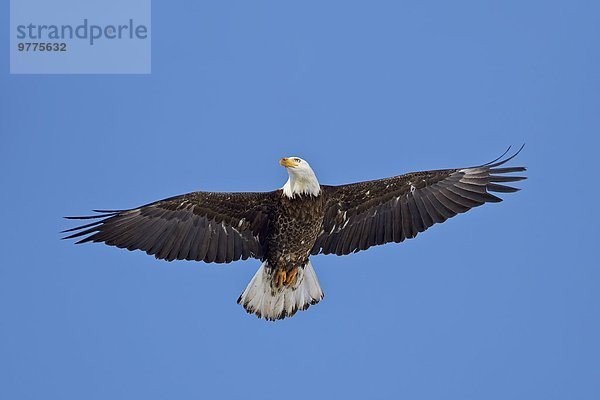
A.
pixel 499 303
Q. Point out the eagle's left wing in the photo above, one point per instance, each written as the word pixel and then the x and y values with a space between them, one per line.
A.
pixel 200 226
pixel 371 213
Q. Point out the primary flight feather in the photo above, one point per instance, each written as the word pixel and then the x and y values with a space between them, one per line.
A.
pixel 284 227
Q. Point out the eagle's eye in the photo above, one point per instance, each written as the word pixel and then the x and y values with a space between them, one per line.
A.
pixel 298 160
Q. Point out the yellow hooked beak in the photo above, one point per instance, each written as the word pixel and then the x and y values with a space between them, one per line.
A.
pixel 287 162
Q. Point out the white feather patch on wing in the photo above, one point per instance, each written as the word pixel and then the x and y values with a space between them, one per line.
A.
pixel 262 299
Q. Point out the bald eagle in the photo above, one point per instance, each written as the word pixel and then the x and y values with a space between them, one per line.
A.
pixel 283 228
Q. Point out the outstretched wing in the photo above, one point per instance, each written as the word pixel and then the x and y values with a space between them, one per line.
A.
pixel 200 226
pixel 366 214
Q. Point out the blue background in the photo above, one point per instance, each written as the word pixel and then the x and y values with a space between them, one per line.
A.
pixel 499 303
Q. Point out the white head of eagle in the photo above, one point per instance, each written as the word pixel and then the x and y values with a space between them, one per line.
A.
pixel 302 179
pixel 284 227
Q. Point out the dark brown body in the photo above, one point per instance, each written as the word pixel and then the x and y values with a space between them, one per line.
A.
pixel 294 230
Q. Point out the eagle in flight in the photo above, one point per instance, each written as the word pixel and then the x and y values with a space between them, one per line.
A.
pixel 283 228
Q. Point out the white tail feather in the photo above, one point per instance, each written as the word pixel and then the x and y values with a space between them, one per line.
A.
pixel 262 299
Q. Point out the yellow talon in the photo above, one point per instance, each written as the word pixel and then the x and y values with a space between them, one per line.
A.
pixel 291 277
pixel 280 277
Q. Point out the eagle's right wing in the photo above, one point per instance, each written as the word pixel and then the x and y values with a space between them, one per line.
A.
pixel 365 214
pixel 200 226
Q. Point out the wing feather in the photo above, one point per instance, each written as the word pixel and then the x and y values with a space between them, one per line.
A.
pixel 398 208
pixel 201 226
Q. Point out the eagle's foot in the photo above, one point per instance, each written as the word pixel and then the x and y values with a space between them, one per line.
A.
pixel 291 277
pixel 285 278
pixel 280 277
